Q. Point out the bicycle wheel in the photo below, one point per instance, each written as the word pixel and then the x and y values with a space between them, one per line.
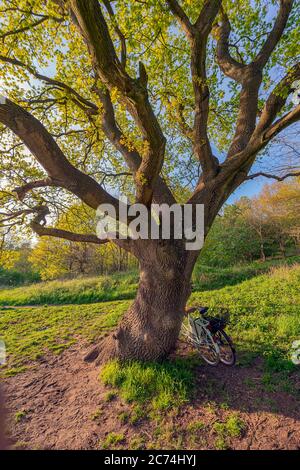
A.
pixel 208 350
pixel 205 346
pixel 227 351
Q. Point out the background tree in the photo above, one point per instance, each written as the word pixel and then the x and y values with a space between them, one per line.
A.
pixel 57 258
pixel 232 240
pixel 159 86
pixel 256 228
pixel 280 205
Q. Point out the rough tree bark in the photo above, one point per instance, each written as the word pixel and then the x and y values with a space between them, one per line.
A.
pixel 149 330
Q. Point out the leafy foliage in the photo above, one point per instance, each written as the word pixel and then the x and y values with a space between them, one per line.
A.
pixel 39 39
pixel 264 226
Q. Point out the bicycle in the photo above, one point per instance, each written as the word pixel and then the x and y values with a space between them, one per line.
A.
pixel 207 334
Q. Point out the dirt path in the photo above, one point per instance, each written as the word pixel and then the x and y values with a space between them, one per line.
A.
pixel 60 404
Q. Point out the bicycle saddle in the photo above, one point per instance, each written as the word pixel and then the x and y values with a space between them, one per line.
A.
pixel 203 310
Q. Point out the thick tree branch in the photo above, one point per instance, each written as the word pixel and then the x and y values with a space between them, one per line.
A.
pixel 277 100
pixel 282 123
pixel 42 145
pixel 229 66
pixel 250 76
pixel 113 132
pixel 133 92
pixel 197 35
pixel 118 31
pixel 181 16
pixel 241 163
pixel 132 157
pixel 248 108
pixel 202 146
pixel 38 226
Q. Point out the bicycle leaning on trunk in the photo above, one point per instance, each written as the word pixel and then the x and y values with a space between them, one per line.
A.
pixel 207 335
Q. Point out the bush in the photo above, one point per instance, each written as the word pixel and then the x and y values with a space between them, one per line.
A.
pixel 12 278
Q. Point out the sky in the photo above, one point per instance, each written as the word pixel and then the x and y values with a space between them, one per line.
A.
pixel 249 188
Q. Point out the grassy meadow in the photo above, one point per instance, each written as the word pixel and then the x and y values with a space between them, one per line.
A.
pixel 264 304
pixel 122 286
pixel 264 311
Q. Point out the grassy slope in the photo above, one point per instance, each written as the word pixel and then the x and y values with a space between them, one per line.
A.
pixel 264 311
pixel 264 319
pixel 76 291
pixel 209 278
pixel 124 285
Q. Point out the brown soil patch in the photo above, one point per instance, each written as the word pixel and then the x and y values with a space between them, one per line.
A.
pixel 60 404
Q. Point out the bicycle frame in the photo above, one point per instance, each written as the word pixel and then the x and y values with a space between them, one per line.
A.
pixel 201 336
pixel 207 335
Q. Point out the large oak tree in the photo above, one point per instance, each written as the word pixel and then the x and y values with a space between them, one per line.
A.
pixel 149 96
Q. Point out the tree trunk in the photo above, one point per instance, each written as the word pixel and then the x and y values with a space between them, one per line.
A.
pixel 262 252
pixel 282 247
pixel 150 328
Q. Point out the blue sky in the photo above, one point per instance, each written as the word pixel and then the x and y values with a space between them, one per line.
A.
pixel 249 188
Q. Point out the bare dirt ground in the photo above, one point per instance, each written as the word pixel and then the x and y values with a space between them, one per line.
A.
pixel 61 404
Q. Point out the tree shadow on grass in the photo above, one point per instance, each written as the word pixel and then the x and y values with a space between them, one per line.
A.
pixel 254 384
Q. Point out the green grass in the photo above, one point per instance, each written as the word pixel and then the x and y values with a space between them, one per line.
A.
pixel 232 427
pixel 123 286
pixel 264 321
pixel 162 386
pixel 20 415
pixel 30 332
pixel 77 291
pixel 264 313
pixel 210 278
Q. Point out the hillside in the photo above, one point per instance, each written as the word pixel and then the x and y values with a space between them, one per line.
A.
pixel 196 407
pixel 123 285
